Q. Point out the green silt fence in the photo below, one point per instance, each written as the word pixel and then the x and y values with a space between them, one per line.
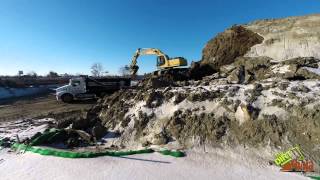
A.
pixel 49 135
pixel 70 154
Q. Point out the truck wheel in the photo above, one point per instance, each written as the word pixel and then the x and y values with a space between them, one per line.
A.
pixel 67 98
pixel 102 94
pixel 122 83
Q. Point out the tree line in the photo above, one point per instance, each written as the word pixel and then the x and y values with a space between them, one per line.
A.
pixel 97 70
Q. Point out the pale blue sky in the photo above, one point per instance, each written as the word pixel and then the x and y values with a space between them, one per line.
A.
pixel 68 36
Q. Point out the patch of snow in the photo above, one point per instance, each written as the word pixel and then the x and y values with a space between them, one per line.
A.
pixel 167 109
pixel 280 69
pixel 263 102
pixel 314 70
pixel 270 110
pixel 23 128
pixel 19 92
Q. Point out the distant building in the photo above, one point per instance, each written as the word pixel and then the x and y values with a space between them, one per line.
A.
pixel 20 73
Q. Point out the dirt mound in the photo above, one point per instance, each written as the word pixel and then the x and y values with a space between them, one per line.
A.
pixel 76 129
pixel 252 102
pixel 216 114
pixel 228 45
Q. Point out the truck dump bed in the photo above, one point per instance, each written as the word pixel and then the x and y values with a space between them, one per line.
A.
pixel 109 84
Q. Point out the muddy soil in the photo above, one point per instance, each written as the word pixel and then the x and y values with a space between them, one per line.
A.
pixel 41 106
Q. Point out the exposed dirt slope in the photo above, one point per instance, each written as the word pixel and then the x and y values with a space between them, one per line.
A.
pixel 228 45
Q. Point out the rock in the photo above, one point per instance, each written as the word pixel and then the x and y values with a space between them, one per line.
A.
pixel 248 77
pixel 63 123
pixel 245 113
pixel 6 142
pixel 253 63
pixel 308 73
pixel 179 98
pixel 194 97
pixel 277 102
pixel 159 139
pixel 237 75
pixel 300 88
pixel 227 69
pixel 72 142
pixel 153 99
pixel 84 135
pixel 80 123
pixel 98 131
pixel 302 62
pixel 232 91
pixel 256 68
pixel 283 86
pixel 157 83
pixel 257 87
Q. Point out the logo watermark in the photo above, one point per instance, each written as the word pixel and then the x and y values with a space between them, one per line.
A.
pixel 293 160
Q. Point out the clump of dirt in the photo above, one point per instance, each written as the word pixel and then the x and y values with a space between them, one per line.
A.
pixel 184 126
pixel 77 129
pixel 228 45
pixel 199 70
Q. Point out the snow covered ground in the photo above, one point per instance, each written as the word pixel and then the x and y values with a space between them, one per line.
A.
pixel 197 165
pixel 236 163
pixel 23 128
pixel 6 93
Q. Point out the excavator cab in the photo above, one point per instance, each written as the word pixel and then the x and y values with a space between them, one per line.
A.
pixel 161 61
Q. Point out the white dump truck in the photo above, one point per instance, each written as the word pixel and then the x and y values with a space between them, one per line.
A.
pixel 85 87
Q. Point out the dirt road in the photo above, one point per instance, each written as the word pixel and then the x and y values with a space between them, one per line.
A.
pixel 41 106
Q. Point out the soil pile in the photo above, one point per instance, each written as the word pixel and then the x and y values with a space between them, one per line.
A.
pixel 270 112
pixel 224 49
pixel 74 130
pixel 228 45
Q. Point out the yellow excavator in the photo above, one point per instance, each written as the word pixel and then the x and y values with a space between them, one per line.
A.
pixel 163 61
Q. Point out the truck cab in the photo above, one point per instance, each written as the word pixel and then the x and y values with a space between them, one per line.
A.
pixel 86 87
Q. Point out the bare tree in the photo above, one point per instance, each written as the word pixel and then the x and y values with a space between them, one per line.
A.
pixel 52 74
pixel 32 74
pixel 96 69
pixel 124 70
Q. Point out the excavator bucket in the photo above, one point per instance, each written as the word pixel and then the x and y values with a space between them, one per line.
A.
pixel 134 69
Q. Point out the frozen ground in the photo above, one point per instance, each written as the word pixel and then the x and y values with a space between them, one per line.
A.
pixel 6 93
pixel 197 165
